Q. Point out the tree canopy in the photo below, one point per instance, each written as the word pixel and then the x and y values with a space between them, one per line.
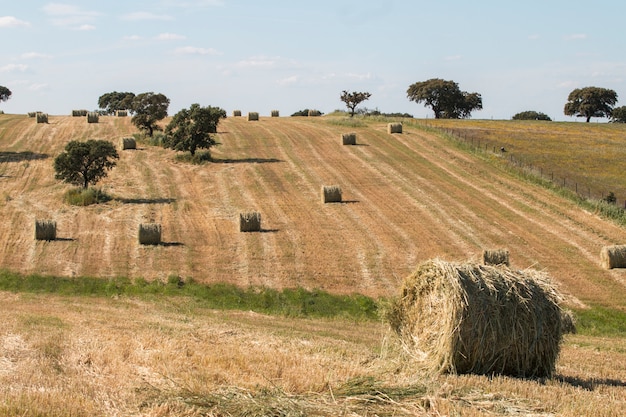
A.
pixel 531 115
pixel 191 128
pixel 590 102
pixel 445 98
pixel 5 93
pixel 619 115
pixel 114 101
pixel 84 163
pixel 149 108
pixel 353 99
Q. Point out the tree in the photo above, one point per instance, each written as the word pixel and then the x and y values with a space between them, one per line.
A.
pixel 111 102
pixel 618 115
pixel 590 102
pixel 5 93
pixel 531 115
pixel 85 163
pixel 353 99
pixel 445 98
pixel 191 128
pixel 149 109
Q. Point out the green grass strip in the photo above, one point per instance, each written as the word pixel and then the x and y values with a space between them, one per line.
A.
pixel 601 321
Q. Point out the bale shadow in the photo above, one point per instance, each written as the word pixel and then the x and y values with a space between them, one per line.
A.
pixel 21 156
pixel 269 230
pixel 590 384
pixel 168 244
pixel 349 201
pixel 145 200
pixel 248 161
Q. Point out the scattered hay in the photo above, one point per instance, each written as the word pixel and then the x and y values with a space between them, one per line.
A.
pixel 250 222
pixel 128 143
pixel 253 116
pixel 471 318
pixel 496 257
pixel 236 113
pixel 275 113
pixel 331 194
pixel 42 118
pixel 150 234
pixel 79 113
pixel 613 256
pixel 45 230
pixel 314 113
pixel 348 138
pixel 93 117
pixel 121 113
pixel 394 128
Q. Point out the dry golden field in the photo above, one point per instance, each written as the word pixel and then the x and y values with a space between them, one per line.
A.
pixel 407 198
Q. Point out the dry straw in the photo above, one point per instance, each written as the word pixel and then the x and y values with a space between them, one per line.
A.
pixel 275 113
pixel 394 128
pixel 250 222
pixel 348 138
pixel 472 318
pixel 613 256
pixel 128 143
pixel 150 234
pixel 42 118
pixel 253 116
pixel 236 113
pixel 45 230
pixel 331 194
pixel 93 117
pixel 314 113
pixel 496 257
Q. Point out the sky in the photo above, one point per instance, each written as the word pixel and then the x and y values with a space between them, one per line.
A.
pixel 285 55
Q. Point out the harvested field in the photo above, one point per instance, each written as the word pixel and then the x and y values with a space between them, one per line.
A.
pixel 406 199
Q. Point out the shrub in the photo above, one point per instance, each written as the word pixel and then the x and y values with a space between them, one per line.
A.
pixel 531 115
pixel 85 196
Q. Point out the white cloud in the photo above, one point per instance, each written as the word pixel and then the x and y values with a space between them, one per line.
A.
pixel 169 37
pixel 576 37
pixel 12 22
pixel 192 50
pixel 34 55
pixel 289 80
pixel 146 16
pixel 68 15
pixel 266 62
pixel 14 68
pixel 38 87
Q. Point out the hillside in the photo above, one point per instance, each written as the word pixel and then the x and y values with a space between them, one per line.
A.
pixel 407 198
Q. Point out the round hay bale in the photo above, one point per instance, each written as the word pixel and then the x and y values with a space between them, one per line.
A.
pixel 45 230
pixel 150 234
pixel 128 143
pixel 252 116
pixel 348 138
pixel 250 222
pixel 33 113
pixel 121 113
pixel 93 117
pixel 236 113
pixel 314 113
pixel 394 128
pixel 496 257
pixel 613 256
pixel 472 318
pixel 331 194
pixel 42 118
pixel 275 113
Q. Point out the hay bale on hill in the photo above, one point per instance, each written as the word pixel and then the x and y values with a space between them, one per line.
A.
pixel 275 113
pixel 471 318
pixel 33 113
pixel 150 234
pixel 236 113
pixel 79 113
pixel 496 257
pixel 314 113
pixel 348 138
pixel 93 117
pixel 128 143
pixel 331 194
pixel 121 113
pixel 42 118
pixel 613 256
pixel 394 128
pixel 250 222
pixel 253 116
pixel 45 230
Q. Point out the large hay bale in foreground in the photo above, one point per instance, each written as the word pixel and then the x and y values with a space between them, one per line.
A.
pixel 45 230
pixel 236 113
pixel 252 116
pixel 93 117
pixel 613 256
pixel 471 318
pixel 496 257
pixel 128 143
pixel 250 222
pixel 348 138
pixel 42 118
pixel 394 128
pixel 150 234
pixel 331 194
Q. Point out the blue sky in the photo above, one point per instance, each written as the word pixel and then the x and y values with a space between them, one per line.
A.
pixel 287 55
